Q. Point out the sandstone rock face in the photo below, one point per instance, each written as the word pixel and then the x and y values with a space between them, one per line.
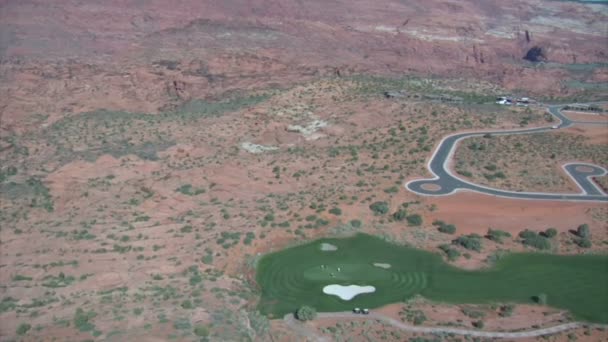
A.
pixel 150 56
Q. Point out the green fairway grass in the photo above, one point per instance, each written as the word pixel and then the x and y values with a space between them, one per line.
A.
pixel 294 277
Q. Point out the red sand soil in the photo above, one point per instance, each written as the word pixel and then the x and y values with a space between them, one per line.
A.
pixel 475 213
pixel 583 116
pixel 63 58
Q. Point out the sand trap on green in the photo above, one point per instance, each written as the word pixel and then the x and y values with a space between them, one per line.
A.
pixel 297 276
pixel 328 247
pixel 347 292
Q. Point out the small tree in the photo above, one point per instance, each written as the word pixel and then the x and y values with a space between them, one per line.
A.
pixel 306 313
pixel 447 228
pixel 201 331
pixel 356 223
pixel 336 211
pixel 583 231
pixel 414 220
pixel 584 243
pixel 379 208
pixel 400 215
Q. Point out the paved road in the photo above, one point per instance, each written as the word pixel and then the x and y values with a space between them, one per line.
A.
pixel 310 334
pixel 445 182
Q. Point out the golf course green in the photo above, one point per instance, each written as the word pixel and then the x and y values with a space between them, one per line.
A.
pixel 296 276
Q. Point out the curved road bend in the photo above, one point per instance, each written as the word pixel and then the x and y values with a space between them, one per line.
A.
pixel 445 182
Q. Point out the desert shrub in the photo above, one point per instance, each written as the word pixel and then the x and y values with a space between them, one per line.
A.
pixel 356 223
pixel 473 313
pixel 551 232
pixel 188 189
pixel 187 304
pixel 445 228
pixel 532 239
pixel 391 190
pixel 478 324
pixel 414 220
pixel 399 215
pixel 506 310
pixel 379 208
pixel 82 320
pixel 306 313
pixel 527 234
pixel 23 328
pixel 583 231
pixel 471 242
pixel 450 252
pixel 335 211
pixel 497 235
pixel 584 243
pixel 201 331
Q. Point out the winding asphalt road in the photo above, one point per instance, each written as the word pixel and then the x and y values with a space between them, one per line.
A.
pixel 445 182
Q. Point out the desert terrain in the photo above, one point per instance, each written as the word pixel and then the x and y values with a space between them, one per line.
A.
pixel 151 153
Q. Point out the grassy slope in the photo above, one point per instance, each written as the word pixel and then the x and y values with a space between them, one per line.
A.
pixel 293 277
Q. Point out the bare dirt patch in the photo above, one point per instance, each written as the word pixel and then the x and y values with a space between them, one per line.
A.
pixel 588 117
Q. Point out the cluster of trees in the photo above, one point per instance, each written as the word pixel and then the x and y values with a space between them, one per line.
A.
pixel 533 239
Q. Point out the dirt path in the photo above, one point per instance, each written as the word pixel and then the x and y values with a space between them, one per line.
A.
pixel 306 331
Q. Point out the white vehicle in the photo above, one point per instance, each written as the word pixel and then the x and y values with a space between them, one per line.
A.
pixel 555 127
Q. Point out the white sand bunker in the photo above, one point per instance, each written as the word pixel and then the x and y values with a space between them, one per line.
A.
pixel 347 292
pixel 382 265
pixel 328 247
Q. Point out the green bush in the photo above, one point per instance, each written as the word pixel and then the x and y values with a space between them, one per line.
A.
pixel 532 239
pixel 306 313
pixel 497 235
pixel 450 252
pixel 471 242
pixel 583 231
pixel 414 220
pixel 399 215
pixel 356 223
pixel 584 243
pixel 379 208
pixel 445 228
pixel 82 320
pixel 335 211
pixel 23 328
pixel 187 304
pixel 527 234
pixel 201 331
pixel 551 232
